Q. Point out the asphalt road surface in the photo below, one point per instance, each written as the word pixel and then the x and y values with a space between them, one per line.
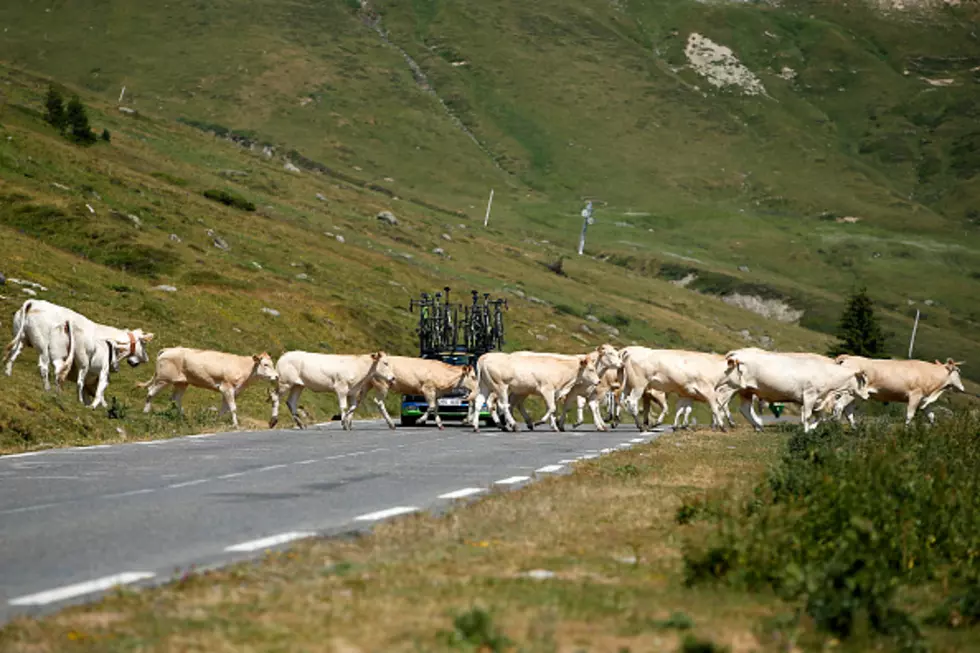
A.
pixel 74 522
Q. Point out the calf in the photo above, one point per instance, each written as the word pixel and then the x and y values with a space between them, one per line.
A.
pixel 808 379
pixel 37 321
pixel 229 374
pixel 345 375
pixel 919 383
pixel 420 376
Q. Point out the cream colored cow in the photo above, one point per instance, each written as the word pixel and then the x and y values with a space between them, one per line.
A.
pixel 419 376
pixel 227 374
pixel 346 375
pixel 917 383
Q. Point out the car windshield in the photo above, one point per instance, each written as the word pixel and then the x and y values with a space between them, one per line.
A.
pixel 456 360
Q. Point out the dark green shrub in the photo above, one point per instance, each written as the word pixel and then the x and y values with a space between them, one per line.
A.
pixel 475 630
pixel 54 109
pixel 77 120
pixel 106 136
pixel 229 199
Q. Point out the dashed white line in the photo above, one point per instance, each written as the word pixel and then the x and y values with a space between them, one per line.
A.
pixel 233 475
pixel 638 440
pixel 384 514
pixel 306 462
pixel 269 468
pixel 129 493
pixel 588 456
pixel 607 450
pixel 511 480
pixel 266 542
pixel 187 483
pixel 459 494
pixel 548 469
pixel 80 589
pixel 568 461
pixel 199 435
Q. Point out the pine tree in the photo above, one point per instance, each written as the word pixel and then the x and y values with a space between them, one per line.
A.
pixel 859 332
pixel 77 120
pixel 54 106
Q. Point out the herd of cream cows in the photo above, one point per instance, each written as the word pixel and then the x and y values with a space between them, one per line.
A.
pixel 86 352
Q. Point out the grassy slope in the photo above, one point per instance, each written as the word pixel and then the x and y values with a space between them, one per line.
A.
pixel 571 99
pixel 357 295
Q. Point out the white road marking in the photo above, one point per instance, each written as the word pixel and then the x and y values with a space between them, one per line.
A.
pixel 567 461
pixel 187 483
pixel 638 440
pixel 20 455
pixel 510 480
pixel 306 462
pixel 14 511
pixel 588 456
pixel 129 494
pixel 269 468
pixel 199 435
pixel 459 494
pixel 548 469
pixel 233 475
pixel 384 514
pixel 266 542
pixel 80 589
pixel 606 450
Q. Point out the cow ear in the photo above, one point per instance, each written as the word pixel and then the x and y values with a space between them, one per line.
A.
pixel 146 337
pixel 467 369
pixel 583 361
pixel 376 356
pixel 256 358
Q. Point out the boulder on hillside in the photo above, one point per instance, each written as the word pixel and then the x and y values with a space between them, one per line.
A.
pixel 387 217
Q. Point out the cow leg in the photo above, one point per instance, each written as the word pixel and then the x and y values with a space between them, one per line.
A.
pixel 579 411
pixel 292 402
pixel 43 361
pixel 101 387
pixel 151 391
pixel 503 403
pixel 379 401
pixel 549 416
pixel 476 406
pixel 747 409
pixel 15 348
pixel 915 398
pixel 632 402
pixel 679 411
pixel 228 403
pixel 596 410
pixel 432 406
pixel 274 395
pixel 177 395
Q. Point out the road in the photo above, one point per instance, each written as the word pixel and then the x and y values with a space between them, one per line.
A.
pixel 76 521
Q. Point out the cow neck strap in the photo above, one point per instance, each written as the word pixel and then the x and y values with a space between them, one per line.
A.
pixel 132 343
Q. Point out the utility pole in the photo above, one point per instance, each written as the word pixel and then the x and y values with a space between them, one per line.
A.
pixel 914 329
pixel 588 219
pixel 486 219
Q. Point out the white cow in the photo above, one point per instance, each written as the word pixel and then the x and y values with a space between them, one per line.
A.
pixel 37 320
pixel 810 380
pixel 345 375
pixel 103 359
pixel 692 375
pixel 229 374
pixel 419 376
pixel 918 383
pixel 606 360
pixel 551 377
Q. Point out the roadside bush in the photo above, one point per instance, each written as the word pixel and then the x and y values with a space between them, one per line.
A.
pixel 475 630
pixel 229 199
pixel 847 519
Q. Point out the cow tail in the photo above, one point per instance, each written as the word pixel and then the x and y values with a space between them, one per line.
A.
pixel 20 321
pixel 70 359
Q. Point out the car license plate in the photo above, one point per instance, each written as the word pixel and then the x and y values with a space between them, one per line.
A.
pixel 450 401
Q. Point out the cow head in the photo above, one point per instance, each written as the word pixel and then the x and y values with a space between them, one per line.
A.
pixel 263 367
pixel 467 378
pixel 608 357
pixel 382 367
pixel 861 387
pixel 134 347
pixel 953 380
pixel 587 373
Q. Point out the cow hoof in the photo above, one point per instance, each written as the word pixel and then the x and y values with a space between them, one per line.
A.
pixel 442 428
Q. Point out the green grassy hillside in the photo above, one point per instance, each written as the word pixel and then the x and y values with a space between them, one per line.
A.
pixel 421 108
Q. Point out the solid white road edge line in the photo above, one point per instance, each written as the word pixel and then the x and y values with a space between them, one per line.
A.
pixel 638 440
pixel 459 494
pixel 174 486
pixel 266 542
pixel 21 455
pixel 548 469
pixel 384 514
pixel 80 589
pixel 510 480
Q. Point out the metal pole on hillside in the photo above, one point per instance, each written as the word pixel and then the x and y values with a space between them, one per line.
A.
pixel 588 219
pixel 914 329
pixel 486 219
